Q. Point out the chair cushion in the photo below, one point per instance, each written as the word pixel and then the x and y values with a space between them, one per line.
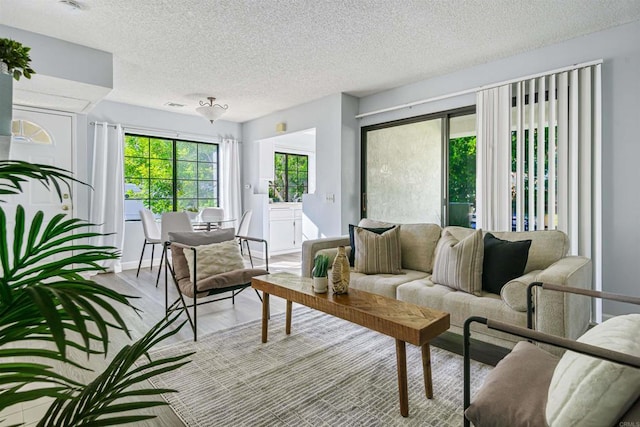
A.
pixel 593 392
pixel 352 242
pixel 220 281
pixel 214 259
pixel 503 261
pixel 458 263
pixel 515 391
pixel 377 253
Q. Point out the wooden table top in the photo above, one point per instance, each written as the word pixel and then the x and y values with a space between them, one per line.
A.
pixel 401 320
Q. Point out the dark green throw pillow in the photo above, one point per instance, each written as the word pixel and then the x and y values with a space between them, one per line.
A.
pixel 503 261
pixel 352 242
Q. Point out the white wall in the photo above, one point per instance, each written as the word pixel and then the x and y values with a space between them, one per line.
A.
pixel 325 115
pixel 619 49
pixel 64 60
pixel 165 123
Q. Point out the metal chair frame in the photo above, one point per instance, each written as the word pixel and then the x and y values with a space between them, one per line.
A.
pixel 540 337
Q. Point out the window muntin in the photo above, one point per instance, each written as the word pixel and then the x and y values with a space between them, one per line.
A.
pixel 169 175
pixel 291 177
pixel 29 132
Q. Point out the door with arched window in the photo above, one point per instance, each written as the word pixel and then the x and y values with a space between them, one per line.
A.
pixel 45 138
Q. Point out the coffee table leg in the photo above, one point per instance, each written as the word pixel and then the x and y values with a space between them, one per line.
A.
pixel 265 315
pixel 401 358
pixel 287 328
pixel 426 370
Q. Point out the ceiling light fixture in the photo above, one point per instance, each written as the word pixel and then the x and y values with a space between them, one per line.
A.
pixel 211 111
pixel 72 4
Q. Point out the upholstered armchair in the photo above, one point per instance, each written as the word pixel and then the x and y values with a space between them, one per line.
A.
pixel 596 382
pixel 204 266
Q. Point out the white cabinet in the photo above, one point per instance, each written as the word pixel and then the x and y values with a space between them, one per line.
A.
pixel 285 227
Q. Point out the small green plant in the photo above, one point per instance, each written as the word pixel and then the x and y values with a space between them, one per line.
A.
pixel 16 56
pixel 320 266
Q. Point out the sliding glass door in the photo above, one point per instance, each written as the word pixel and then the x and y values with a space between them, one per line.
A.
pixel 405 169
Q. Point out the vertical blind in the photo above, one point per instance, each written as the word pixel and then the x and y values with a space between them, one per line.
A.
pixel 553 141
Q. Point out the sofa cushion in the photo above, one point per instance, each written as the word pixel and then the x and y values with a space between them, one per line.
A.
pixel 514 292
pixel 352 243
pixel 547 246
pixel 377 253
pixel 383 284
pixel 458 263
pixel 503 261
pixel 589 391
pixel 511 395
pixel 418 243
pixel 461 306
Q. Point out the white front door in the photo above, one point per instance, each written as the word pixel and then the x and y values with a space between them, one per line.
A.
pixel 45 138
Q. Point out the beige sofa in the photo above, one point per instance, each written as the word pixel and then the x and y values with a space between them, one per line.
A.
pixel 556 313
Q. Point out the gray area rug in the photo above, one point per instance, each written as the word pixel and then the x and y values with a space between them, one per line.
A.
pixel 328 372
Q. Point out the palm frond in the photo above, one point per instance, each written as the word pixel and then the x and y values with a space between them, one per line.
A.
pixel 97 403
pixel 14 173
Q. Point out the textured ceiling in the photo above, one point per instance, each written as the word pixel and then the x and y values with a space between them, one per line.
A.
pixel 260 56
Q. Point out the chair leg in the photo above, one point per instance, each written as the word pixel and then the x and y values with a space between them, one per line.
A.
pixel 162 258
pixel 153 248
pixel 241 248
pixel 195 317
pixel 141 255
pixel 249 252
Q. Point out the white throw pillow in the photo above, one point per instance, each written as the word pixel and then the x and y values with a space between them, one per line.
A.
pixel 214 259
pixel 586 391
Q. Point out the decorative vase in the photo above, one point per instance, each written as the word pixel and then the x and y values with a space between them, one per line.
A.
pixel 340 273
pixel 320 284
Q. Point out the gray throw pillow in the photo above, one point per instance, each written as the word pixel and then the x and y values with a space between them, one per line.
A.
pixel 458 264
pixel 198 238
pixel 378 253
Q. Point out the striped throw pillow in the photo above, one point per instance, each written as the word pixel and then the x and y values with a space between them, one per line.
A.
pixel 458 264
pixel 377 253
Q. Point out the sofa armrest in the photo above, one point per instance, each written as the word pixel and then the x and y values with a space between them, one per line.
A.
pixel 311 247
pixel 560 313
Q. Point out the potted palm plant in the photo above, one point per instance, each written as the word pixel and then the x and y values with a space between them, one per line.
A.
pixel 319 273
pixel 46 298
pixel 15 59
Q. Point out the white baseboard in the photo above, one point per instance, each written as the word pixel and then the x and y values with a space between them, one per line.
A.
pixel 133 265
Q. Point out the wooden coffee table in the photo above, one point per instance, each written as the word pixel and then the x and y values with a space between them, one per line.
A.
pixel 407 323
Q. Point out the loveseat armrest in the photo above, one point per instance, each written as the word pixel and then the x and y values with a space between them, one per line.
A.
pixel 311 247
pixel 559 313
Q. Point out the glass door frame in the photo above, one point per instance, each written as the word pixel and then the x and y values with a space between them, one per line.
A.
pixel 445 116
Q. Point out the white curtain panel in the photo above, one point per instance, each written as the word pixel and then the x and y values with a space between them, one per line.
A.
pixel 493 159
pixel 230 184
pixel 106 203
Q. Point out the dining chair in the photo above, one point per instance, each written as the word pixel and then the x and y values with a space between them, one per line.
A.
pixel 151 235
pixel 243 230
pixel 171 222
pixel 212 214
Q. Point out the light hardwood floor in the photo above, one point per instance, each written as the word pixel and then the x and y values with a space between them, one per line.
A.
pixel 151 301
